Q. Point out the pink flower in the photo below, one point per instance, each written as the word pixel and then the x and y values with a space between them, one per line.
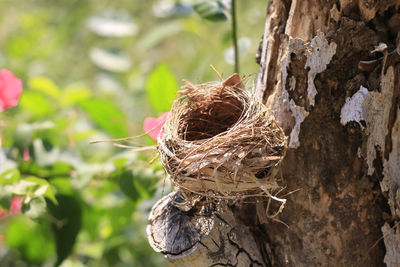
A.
pixel 15 207
pixel 16 204
pixel 10 89
pixel 153 126
pixel 25 155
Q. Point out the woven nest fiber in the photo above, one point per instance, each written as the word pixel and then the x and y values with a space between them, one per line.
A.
pixel 218 141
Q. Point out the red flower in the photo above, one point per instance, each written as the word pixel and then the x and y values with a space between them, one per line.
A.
pixel 10 89
pixel 153 126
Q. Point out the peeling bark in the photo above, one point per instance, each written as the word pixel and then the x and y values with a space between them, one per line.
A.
pixel 391 185
pixel 338 138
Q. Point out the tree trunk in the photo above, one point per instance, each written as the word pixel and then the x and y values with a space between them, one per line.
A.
pixel 342 117
pixel 343 128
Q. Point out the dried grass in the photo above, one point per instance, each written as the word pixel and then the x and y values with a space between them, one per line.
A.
pixel 220 142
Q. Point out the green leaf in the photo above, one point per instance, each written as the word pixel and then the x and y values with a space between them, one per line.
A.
pixel 66 224
pixel 127 186
pixel 35 208
pixel 212 10
pixel 145 180
pixel 106 116
pixel 62 185
pixel 34 187
pixel 74 95
pixel 24 187
pixel 57 169
pixel 5 198
pixel 32 240
pixel 23 135
pixel 44 85
pixel 161 88
pixel 9 176
pixel 138 184
pixel 120 162
pixel 35 103
pixel 158 34
pixel 43 188
pixel 60 168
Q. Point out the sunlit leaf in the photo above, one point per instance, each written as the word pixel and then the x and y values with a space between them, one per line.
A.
pixel 35 208
pixel 9 176
pixel 213 10
pixel 161 88
pixel 66 224
pixel 35 103
pixel 110 60
pixel 106 116
pixel 62 185
pixel 119 162
pixel 112 23
pixel 43 188
pixel 74 95
pixel 33 187
pixel 24 187
pixel 44 85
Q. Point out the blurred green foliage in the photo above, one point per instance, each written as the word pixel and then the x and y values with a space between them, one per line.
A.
pixel 94 69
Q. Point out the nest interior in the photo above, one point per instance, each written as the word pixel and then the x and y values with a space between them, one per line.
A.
pixel 220 142
pixel 210 117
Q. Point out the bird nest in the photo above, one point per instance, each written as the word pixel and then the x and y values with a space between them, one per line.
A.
pixel 220 142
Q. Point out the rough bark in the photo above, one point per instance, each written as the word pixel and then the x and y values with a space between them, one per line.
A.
pixel 343 120
pixel 341 126
pixel 208 234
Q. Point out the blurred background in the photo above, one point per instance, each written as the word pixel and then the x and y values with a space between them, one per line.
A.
pixel 95 69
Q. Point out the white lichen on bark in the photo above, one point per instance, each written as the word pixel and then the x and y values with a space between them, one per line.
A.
pixel 352 109
pixel 298 113
pixel 318 53
pixel 320 56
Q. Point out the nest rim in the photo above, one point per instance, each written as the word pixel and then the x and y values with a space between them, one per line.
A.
pixel 251 143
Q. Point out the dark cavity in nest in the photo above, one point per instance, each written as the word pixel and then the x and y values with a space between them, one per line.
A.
pixel 206 121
